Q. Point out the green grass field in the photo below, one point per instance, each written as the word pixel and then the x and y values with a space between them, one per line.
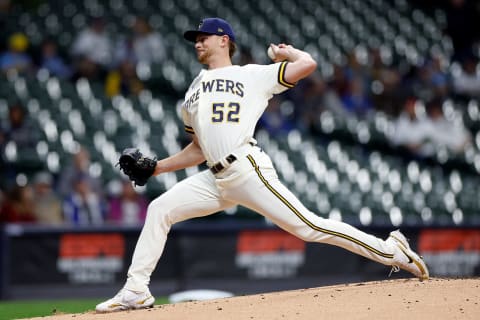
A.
pixel 37 308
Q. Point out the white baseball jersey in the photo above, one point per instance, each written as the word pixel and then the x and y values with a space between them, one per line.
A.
pixel 222 106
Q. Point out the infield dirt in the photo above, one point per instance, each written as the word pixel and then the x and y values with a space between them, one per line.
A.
pixel 392 299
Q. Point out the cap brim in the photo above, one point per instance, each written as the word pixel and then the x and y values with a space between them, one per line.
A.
pixel 191 35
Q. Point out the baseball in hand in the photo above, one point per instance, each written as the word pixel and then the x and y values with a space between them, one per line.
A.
pixel 270 53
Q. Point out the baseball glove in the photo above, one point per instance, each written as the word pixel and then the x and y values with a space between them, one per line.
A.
pixel 137 167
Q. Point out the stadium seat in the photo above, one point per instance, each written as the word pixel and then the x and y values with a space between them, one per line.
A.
pixel 350 171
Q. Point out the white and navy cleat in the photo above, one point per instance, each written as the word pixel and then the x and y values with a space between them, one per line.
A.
pixel 127 300
pixel 405 258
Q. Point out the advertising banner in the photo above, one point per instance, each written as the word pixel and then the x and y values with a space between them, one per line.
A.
pixel 201 252
pixel 269 254
pixel 72 257
pixel 91 257
pixel 451 252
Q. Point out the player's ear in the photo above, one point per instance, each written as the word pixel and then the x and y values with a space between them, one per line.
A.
pixel 224 41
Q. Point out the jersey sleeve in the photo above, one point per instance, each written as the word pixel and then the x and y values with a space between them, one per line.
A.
pixel 272 76
pixel 281 75
pixel 187 123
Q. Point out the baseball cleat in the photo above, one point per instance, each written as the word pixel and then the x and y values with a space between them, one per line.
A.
pixel 405 258
pixel 126 300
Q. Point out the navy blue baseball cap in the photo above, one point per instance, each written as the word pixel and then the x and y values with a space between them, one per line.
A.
pixel 215 26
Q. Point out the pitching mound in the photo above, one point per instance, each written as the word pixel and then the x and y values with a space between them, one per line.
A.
pixel 393 299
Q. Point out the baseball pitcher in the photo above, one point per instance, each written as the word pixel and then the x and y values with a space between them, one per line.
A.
pixel 220 111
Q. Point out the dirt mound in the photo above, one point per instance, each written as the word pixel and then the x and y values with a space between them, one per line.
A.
pixel 392 299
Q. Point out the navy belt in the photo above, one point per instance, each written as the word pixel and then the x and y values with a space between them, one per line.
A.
pixel 216 168
pixel 219 166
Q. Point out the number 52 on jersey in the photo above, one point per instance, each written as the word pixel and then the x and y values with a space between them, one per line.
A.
pixel 222 112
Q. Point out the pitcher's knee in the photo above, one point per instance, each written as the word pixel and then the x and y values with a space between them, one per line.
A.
pixel 159 210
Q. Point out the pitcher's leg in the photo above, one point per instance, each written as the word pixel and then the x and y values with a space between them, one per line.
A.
pixel 193 197
pixel 268 196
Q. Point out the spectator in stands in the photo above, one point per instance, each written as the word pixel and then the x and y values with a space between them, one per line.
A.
pixel 277 118
pixel 412 129
pixel 357 70
pixel 48 205
pixel 79 165
pixel 18 205
pixel 425 134
pixel 309 94
pixel 92 51
pixel 53 62
pixel 428 80
pixel 18 136
pixel 439 77
pixel 127 207
pixel 123 81
pixel 94 43
pixel 331 100
pixel 466 83
pixel 20 128
pixel 145 45
pixel 83 206
pixel 417 81
pixel 148 44
pixel 85 68
pixel 338 81
pixel 16 58
pixel 315 97
pixel 355 99
pixel 446 133
pixel 385 84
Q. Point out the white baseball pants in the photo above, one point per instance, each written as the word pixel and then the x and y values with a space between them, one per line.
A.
pixel 250 181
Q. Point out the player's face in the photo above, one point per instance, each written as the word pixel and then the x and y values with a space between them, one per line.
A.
pixel 205 46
